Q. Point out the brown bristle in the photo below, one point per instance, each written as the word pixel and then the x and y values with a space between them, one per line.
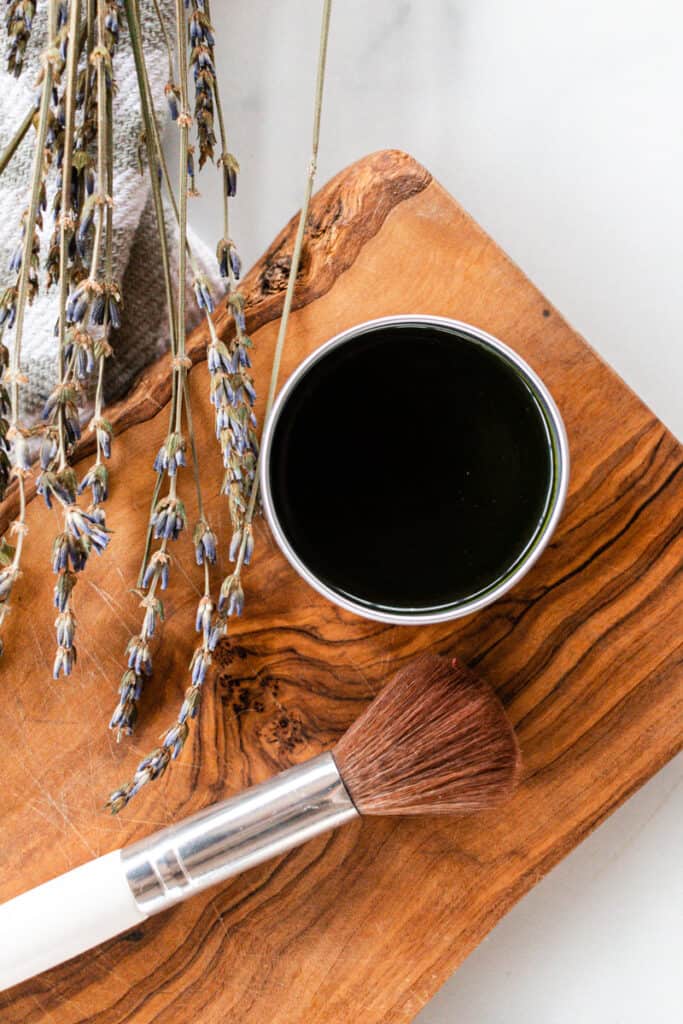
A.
pixel 435 740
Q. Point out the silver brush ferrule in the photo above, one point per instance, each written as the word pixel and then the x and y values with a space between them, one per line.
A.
pixel 226 838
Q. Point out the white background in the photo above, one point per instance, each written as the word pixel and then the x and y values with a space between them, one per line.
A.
pixel 558 126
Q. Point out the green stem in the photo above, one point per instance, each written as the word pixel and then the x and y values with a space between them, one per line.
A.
pixel 18 137
pixel 66 226
pixel 132 17
pixel 193 448
pixel 167 40
pixel 22 295
pixel 30 224
pixel 224 145
pixel 103 194
pixel 296 257
pixel 184 122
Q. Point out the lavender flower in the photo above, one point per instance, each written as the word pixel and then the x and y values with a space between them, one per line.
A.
pixel 154 610
pixel 205 543
pixel 65 584
pixel 7 578
pixel 96 478
pixel 231 598
pixel 171 455
pixel 139 657
pixel 65 659
pixel 158 566
pixel 104 432
pixel 126 711
pixel 8 307
pixel 65 626
pixel 205 610
pixel 228 259
pixel 172 93
pixel 86 526
pixel 230 171
pixel 204 75
pixel 49 448
pixel 149 769
pixel 203 294
pixel 19 22
pixel 169 519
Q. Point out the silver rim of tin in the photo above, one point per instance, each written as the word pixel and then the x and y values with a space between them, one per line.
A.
pixel 560 448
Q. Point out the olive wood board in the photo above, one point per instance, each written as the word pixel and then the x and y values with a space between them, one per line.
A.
pixel 364 924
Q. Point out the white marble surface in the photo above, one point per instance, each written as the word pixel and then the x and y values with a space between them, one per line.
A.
pixel 558 126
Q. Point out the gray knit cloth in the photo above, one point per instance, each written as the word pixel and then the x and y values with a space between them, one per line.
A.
pixel 144 332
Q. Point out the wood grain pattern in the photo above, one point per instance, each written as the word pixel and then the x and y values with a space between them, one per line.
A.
pixel 364 924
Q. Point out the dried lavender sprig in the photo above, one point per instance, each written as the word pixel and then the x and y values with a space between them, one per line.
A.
pixel 19 22
pixel 71 550
pixel 155 764
pixel 167 40
pixel 102 56
pixel 232 388
pixel 170 457
pixel 232 398
pixel 107 40
pixel 203 69
pixel 235 420
pixel 242 546
pixel 167 516
pixel 12 377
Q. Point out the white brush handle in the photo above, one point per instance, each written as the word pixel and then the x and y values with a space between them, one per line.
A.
pixel 93 903
pixel 64 917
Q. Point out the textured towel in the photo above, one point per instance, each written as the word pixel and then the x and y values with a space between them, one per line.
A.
pixel 143 334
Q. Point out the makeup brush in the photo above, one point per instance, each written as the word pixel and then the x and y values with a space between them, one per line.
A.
pixel 434 741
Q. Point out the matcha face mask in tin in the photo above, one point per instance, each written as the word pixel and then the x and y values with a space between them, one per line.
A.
pixel 413 468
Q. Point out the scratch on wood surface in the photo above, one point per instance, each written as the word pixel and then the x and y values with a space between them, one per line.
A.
pixel 188 579
pixel 219 916
pixel 50 820
pixel 101 954
pixel 37 649
pixel 113 605
pixel 69 823
pixel 46 1013
pixel 43 663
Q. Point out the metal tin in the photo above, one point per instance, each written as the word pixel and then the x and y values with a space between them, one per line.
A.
pixel 560 449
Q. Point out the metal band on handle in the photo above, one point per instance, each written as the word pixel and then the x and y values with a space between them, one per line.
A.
pixel 226 838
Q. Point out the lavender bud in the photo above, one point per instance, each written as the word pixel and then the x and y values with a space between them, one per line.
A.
pixel 7 578
pixel 175 738
pixel 205 610
pixel 65 584
pixel 158 564
pixel 65 625
pixel 201 659
pixel 249 546
pixel 172 94
pixel 231 597
pixel 97 478
pixel 65 659
pixel 139 657
pixel 218 631
pixel 205 543
pixel 235 542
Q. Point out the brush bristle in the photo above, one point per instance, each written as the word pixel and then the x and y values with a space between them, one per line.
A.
pixel 435 740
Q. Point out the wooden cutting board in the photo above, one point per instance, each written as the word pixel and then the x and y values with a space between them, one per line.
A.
pixel 364 924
